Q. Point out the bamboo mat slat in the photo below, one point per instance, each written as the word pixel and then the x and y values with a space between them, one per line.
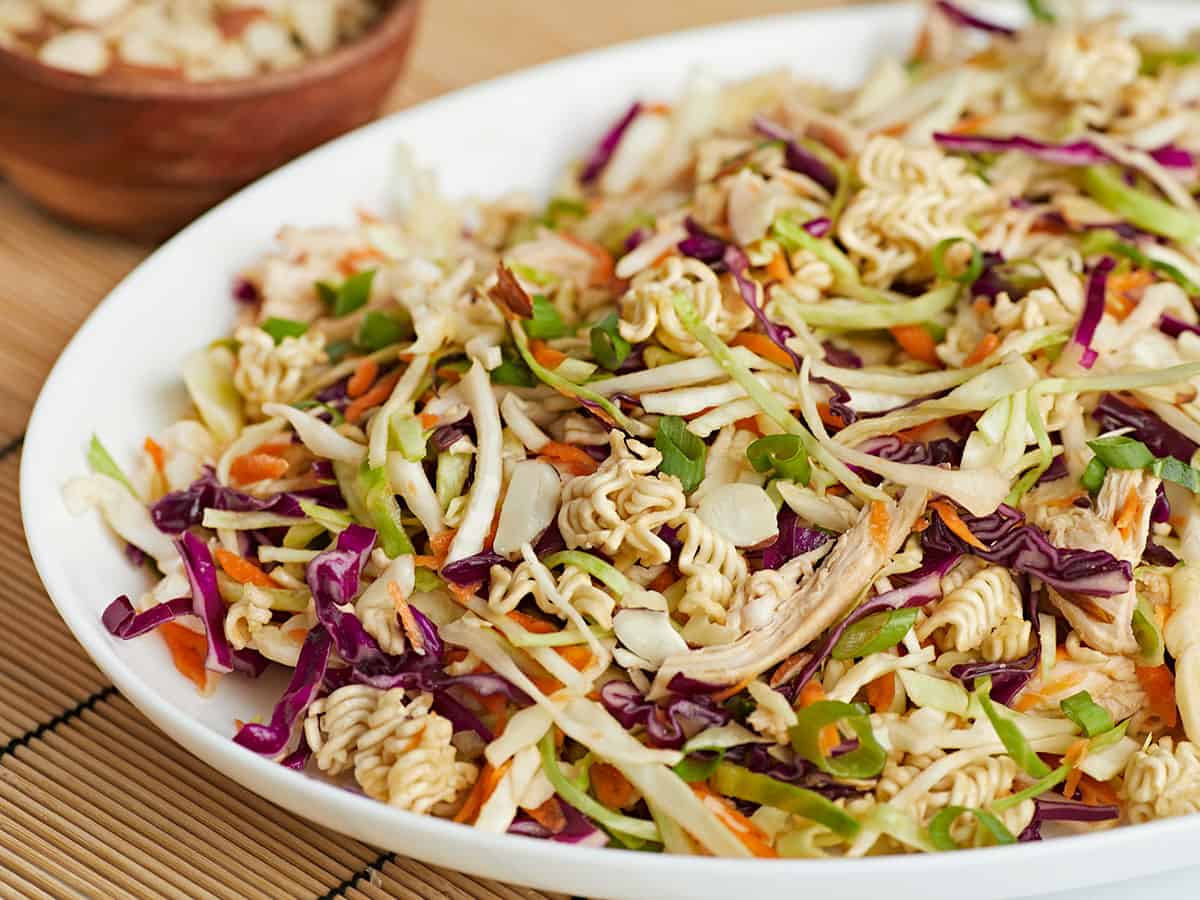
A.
pixel 95 802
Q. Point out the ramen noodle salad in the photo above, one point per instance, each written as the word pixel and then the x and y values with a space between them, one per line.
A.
pixel 811 476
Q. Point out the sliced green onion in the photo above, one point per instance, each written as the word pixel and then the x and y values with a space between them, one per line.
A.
pixel 1093 476
pixel 683 453
pixel 383 512
pixel 1037 9
pixel 427 580
pixel 698 766
pixel 1170 469
pixel 602 815
pixel 974 268
pixel 1010 735
pixel 1091 717
pixel 1105 185
pixel 533 275
pixel 594 566
pixel 279 329
pixel 939 827
pixel 1154 60
pixel 562 208
pixel 736 781
pixel 1101 240
pixel 512 371
pixel 874 634
pixel 1036 789
pixel 853 315
pixel 608 347
pixel 1120 452
pixel 546 323
pixel 379 330
pixel 1147 634
pixel 866 761
pixel 351 295
pixel 102 463
pixel 407 436
pixel 300 536
pixel 331 520
pixel 570 389
pixel 782 453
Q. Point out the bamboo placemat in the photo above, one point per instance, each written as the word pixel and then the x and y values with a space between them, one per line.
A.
pixel 94 800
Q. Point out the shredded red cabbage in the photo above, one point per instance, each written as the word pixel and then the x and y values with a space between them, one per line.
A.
pixel 934 453
pixel 121 620
pixel 794 539
pixel 1093 309
pixel 1055 808
pixel 446 436
pixel 180 510
pixel 1173 326
pixel 1057 470
pixel 702 245
pixel 244 291
pixel 272 738
pixel 604 150
pixel 1076 153
pixel 960 16
pixel 1158 555
pixel 1023 548
pixel 739 267
pixel 818 227
pixel 472 569
pixel 1008 676
pixel 577 830
pixel 333 578
pixel 1161 439
pixel 668 724
pixel 206 600
pixel 796 157
pixel 799 772
pixel 842 357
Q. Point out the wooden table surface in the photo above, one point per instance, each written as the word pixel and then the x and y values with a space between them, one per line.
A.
pixel 51 276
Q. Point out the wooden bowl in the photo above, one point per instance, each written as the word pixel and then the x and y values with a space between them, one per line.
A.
pixel 142 157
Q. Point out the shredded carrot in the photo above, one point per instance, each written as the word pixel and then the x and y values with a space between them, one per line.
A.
pixel 778 267
pixel 1064 501
pixel 547 684
pixel 969 124
pixel 578 655
pixel 188 651
pixel 810 694
pixel 986 346
pixel 364 376
pixel 254 466
pixel 949 515
pixel 604 268
pixel 439 545
pixel 1125 291
pixel 379 392
pixel 1096 793
pixel 921 524
pixel 549 815
pixel 453 376
pixel 917 342
pixel 789 667
pixel 156 454
pixel 723 695
pixel 880 524
pixel 462 593
pixel 348 263
pixel 573 459
pixel 242 570
pixel 742 828
pixel 829 417
pixel 427 420
pixel 895 130
pixel 1030 699
pixel 919 432
pixel 426 562
pixel 407 619
pixel 1131 509
pixel 881 692
pixel 750 423
pixel 484 785
pixel 1074 756
pixel 662 580
pixel 532 624
pixel 612 788
pixel 981 306
pixel 547 356
pixel 1159 685
pixel 761 345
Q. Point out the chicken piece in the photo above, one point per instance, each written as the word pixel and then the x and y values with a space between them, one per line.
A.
pixel 819 602
pixel 1120 525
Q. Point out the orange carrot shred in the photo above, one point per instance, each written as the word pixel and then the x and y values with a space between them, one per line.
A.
pixel 917 343
pixel 1097 793
pixel 949 515
pixel 578 655
pixel 810 694
pixel 662 580
pixel 881 692
pixel 761 345
pixel 462 593
pixel 379 392
pixel 572 458
pixel 612 788
pixel 829 417
pixel 1159 685
pixel 155 451
pixel 364 376
pixel 426 562
pixel 547 356
pixel 1130 510
pixel 242 570
pixel 880 523
pixel 750 423
pixel 751 836
pixel 986 346
pixel 407 620
pixel 604 268
pixel 427 420
pixel 723 695
pixel 778 267
pixel 1074 755
pixel 532 624
pixel 967 124
pixel 254 466
pixel 188 651
pixel 484 785
pixel 549 815
pixel 440 543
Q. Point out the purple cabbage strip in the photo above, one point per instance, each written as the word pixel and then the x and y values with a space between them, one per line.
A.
pixel 577 830
pixel 1173 326
pixel 796 157
pixel 735 260
pixel 135 554
pixel 896 449
pixel 472 569
pixel 1052 807
pixel 794 539
pixel 298 759
pixel 798 772
pixel 250 662
pixel 446 436
pixel 180 510
pixel 667 724
pixel 960 16
pixel 1158 555
pixel 1008 676
pixel 272 738
pixel 1076 153
pixel 244 291
pixel 1093 309
pixel 333 578
pixel 842 357
pixel 1056 471
pixel 1161 511
pixel 121 620
pixel 925 588
pixel 1162 440
pixel 702 245
pixel 818 227
pixel 604 150
pixel 1023 548
pixel 206 600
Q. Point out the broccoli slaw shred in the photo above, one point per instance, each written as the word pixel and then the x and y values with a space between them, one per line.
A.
pixel 814 475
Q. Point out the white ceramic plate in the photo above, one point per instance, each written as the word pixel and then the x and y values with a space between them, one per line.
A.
pixel 119 378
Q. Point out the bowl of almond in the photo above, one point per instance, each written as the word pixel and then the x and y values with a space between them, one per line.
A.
pixel 134 116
